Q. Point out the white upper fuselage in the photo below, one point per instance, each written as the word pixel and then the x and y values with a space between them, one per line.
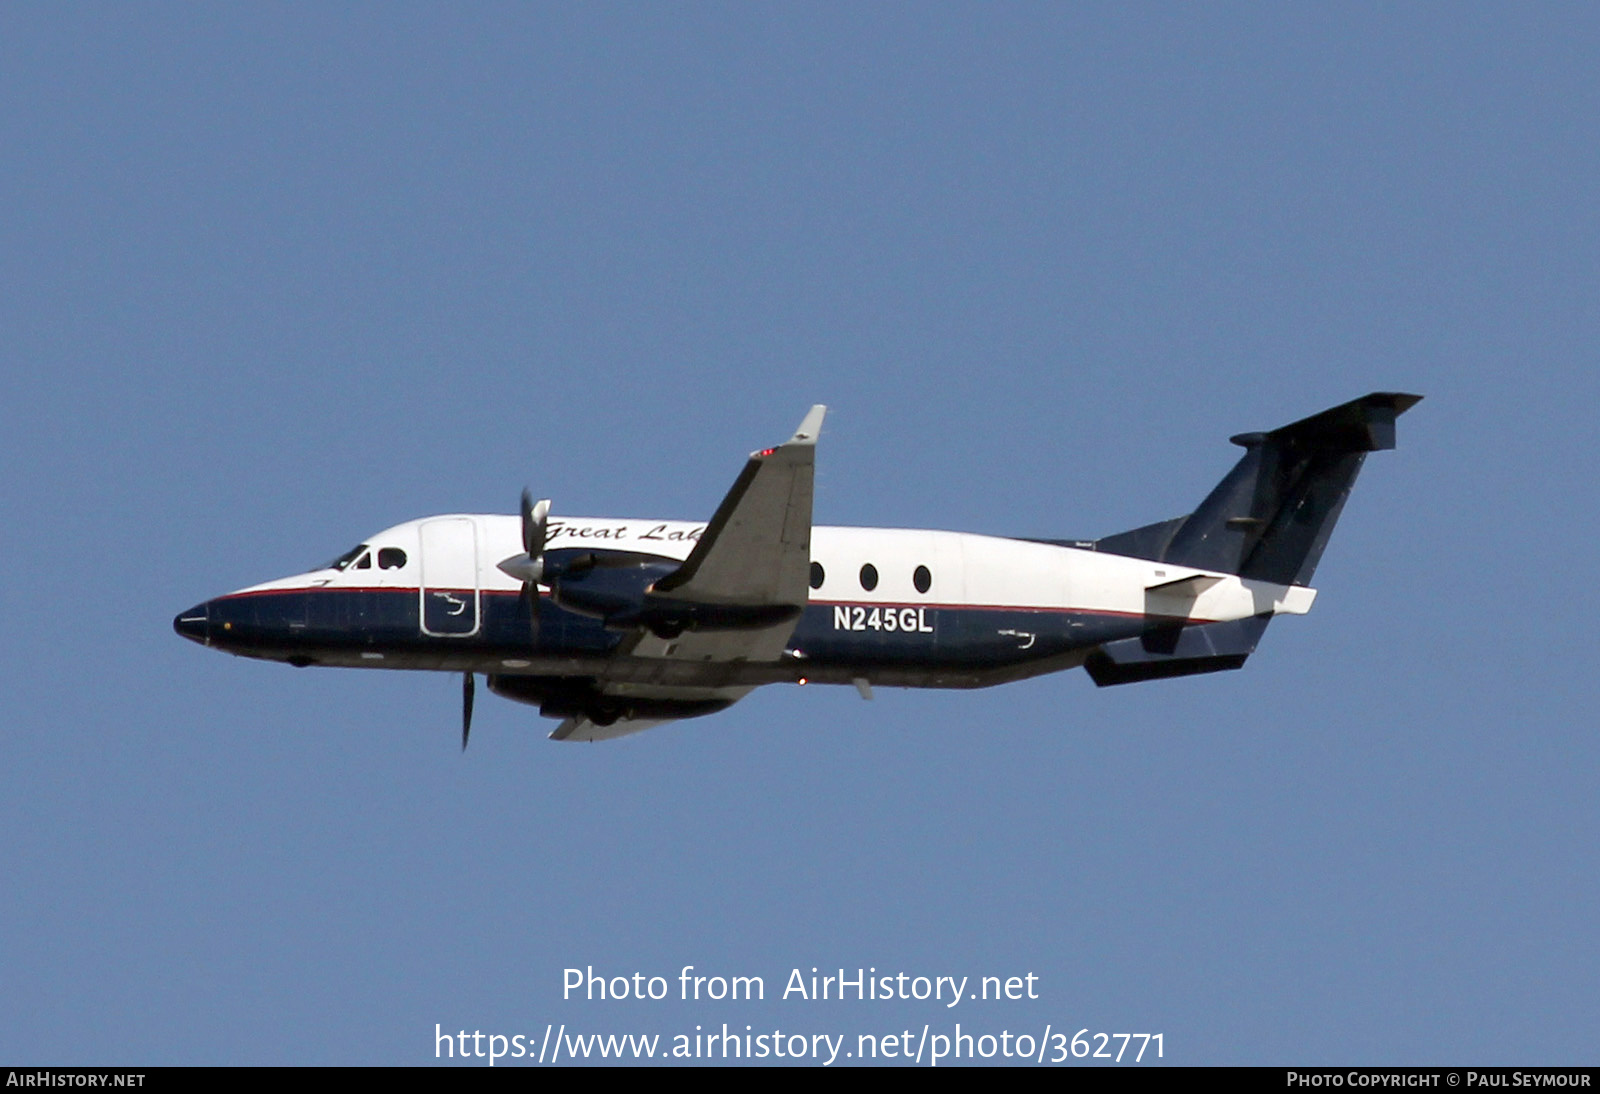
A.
pixel 965 570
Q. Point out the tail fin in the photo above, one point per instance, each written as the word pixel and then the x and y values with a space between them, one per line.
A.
pixel 1270 518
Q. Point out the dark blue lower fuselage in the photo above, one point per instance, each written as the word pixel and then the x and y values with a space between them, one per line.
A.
pixel 491 632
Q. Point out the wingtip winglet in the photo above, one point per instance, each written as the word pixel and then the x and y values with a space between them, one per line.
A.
pixel 810 426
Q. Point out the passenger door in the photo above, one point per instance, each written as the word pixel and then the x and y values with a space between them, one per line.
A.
pixel 448 584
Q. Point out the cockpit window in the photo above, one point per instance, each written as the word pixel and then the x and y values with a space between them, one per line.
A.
pixel 343 561
pixel 391 558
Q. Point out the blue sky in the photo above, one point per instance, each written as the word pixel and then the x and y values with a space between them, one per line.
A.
pixel 272 279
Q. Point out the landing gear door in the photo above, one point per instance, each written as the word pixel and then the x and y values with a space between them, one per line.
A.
pixel 449 585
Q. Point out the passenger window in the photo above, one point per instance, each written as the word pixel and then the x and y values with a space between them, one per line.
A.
pixel 922 579
pixel 869 577
pixel 391 558
pixel 817 575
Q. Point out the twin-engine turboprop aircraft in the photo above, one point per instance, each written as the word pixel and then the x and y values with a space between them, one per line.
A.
pixel 615 626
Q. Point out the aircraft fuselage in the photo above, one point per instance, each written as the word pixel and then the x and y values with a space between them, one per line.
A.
pixel 897 607
pixel 619 625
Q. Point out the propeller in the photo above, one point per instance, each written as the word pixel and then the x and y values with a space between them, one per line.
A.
pixel 528 567
pixel 466 708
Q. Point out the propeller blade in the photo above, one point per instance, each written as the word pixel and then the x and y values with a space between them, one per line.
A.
pixel 466 708
pixel 535 518
pixel 530 596
pixel 541 519
pixel 530 566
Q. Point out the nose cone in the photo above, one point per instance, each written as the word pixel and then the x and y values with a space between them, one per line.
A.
pixel 195 624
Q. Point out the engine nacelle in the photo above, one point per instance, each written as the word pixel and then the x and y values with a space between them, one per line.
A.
pixel 603 584
pixel 614 586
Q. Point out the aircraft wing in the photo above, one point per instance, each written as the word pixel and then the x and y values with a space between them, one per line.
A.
pixel 757 549
pixel 754 554
pixel 582 729
pixel 634 706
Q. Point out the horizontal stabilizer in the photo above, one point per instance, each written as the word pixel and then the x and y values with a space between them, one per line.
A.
pixel 1361 425
pixel 1177 650
pixel 1190 586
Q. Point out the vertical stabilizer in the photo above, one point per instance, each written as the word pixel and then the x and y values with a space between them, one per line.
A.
pixel 1269 519
pixel 1271 516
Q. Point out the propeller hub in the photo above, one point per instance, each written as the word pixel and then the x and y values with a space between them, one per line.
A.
pixel 523 568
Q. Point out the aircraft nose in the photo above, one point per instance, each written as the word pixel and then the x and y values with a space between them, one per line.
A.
pixel 195 624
